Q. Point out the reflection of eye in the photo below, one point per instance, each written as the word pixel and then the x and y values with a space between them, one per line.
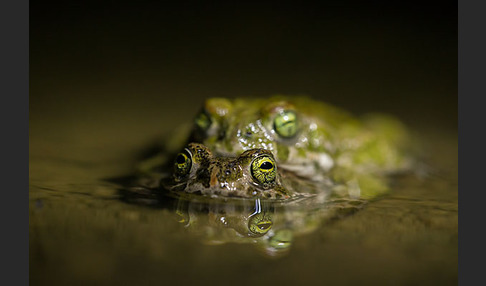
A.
pixel 203 121
pixel 282 239
pixel 285 124
pixel 182 217
pixel 264 170
pixel 259 224
pixel 182 164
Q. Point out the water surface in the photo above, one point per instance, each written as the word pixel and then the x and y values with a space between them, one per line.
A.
pixel 81 231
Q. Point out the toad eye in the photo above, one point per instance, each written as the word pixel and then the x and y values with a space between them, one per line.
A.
pixel 264 170
pixel 203 121
pixel 281 239
pixel 182 164
pixel 260 224
pixel 285 123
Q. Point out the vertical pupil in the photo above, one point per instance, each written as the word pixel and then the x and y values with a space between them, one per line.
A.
pixel 181 159
pixel 266 165
pixel 264 225
pixel 285 124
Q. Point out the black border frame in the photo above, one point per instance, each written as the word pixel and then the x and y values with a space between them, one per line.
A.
pixel 15 123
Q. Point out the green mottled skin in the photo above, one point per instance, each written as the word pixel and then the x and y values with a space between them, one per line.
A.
pixel 330 143
pixel 330 147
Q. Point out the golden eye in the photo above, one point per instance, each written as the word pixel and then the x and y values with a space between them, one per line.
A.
pixel 203 121
pixel 182 164
pixel 264 170
pixel 260 223
pixel 285 123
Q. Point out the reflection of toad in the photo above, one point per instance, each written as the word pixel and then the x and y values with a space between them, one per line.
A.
pixel 270 225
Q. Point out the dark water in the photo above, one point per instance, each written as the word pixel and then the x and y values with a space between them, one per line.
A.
pixel 106 83
pixel 81 232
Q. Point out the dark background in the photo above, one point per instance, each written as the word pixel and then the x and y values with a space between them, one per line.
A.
pixel 153 56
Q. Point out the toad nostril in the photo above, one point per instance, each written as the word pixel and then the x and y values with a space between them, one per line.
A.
pixel 222 134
